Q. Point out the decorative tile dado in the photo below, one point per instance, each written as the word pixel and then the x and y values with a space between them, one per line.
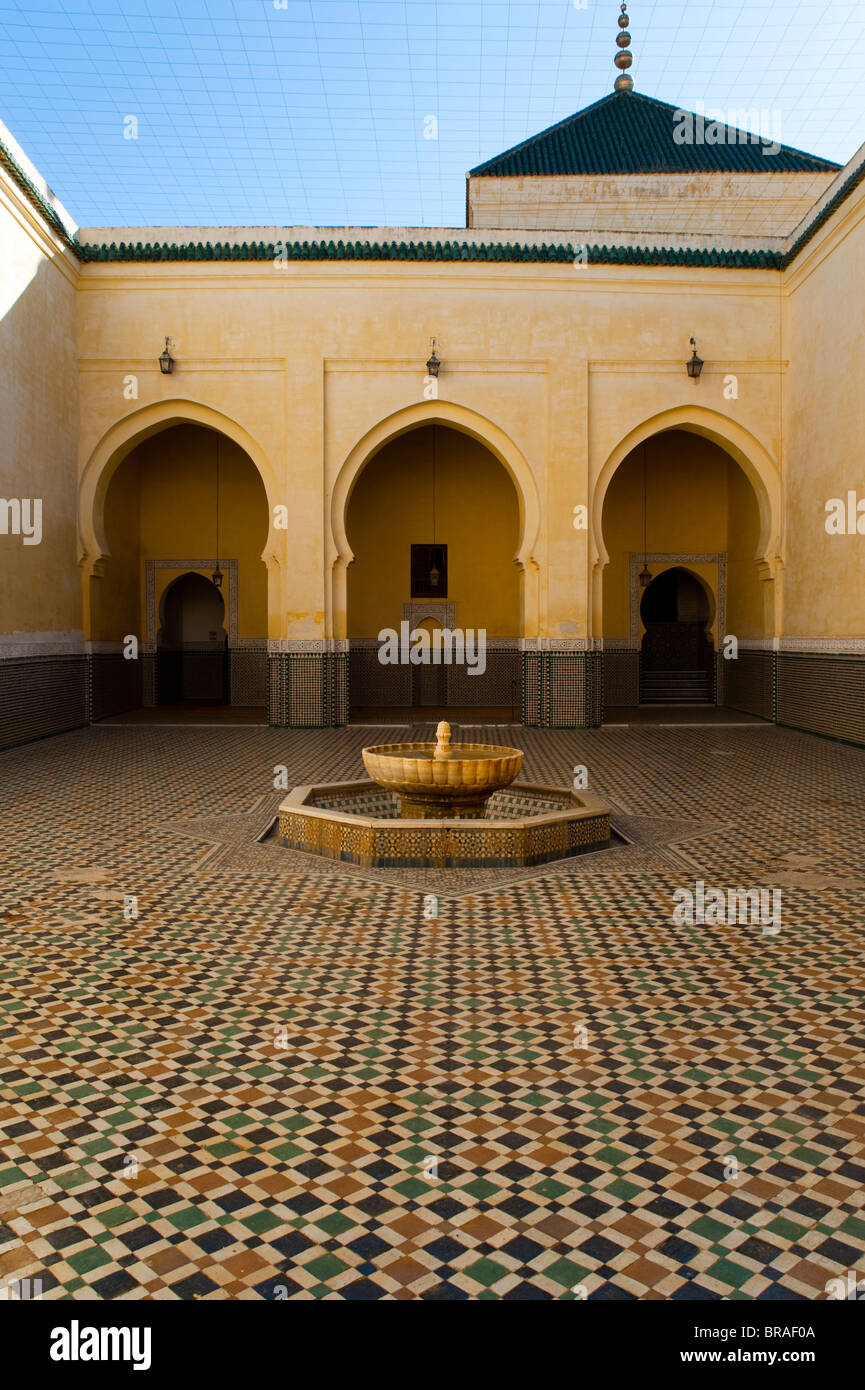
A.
pixel 151 566
pixel 493 644
pixel 719 559
pixel 827 646
pixel 816 646
pixel 560 644
pixel 15 645
pixel 277 646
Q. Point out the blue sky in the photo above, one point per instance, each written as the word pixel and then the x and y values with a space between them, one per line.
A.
pixel 251 112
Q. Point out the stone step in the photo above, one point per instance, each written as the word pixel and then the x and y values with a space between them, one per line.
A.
pixel 675 687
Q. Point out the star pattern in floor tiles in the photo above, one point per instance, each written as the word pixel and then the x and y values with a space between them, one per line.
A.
pixel 280 1080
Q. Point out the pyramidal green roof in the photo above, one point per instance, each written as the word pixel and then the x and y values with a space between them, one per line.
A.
pixel 628 133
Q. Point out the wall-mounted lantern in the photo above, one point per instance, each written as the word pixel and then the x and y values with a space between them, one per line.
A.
pixel 433 362
pixel 695 365
pixel 166 361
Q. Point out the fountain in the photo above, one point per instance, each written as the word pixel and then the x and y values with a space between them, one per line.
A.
pixel 441 780
pixel 443 805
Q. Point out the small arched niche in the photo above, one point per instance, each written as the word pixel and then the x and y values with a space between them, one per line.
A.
pixel 192 642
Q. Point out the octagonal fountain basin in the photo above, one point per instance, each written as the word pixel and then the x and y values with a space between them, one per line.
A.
pixel 522 825
pixel 441 780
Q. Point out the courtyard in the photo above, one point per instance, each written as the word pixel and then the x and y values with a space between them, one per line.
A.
pixel 233 1071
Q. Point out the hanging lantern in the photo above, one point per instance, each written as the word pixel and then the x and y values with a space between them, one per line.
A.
pixel 695 365
pixel 435 573
pixel 217 576
pixel 433 363
pixel 166 361
pixel 645 572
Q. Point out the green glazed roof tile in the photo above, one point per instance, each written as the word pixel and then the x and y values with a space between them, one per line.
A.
pixel 627 133
pixel 428 251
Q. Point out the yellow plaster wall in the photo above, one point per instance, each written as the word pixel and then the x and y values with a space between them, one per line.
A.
pixel 309 360
pixel 476 517
pixel 824 435
pixel 302 362
pixel 39 584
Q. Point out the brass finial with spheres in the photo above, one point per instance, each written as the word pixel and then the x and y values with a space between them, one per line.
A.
pixel 624 58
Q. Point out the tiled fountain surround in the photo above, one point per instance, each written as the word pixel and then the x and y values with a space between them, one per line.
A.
pixel 524 825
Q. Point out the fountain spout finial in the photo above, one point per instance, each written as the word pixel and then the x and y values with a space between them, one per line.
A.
pixel 443 740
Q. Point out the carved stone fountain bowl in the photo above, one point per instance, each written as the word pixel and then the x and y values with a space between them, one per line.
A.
pixel 432 786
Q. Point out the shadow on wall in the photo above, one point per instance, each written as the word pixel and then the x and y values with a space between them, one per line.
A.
pixel 43 675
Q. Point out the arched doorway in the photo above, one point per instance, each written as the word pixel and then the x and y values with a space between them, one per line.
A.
pixel 182 502
pixel 434 523
pixel 192 643
pixel 680 504
pixel 676 656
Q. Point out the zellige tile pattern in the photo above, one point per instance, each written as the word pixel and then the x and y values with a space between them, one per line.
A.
pixel 281 1080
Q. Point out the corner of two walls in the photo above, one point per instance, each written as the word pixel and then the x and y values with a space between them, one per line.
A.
pixel 43 675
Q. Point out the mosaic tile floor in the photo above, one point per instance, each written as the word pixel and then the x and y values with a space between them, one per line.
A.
pixel 282 1081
